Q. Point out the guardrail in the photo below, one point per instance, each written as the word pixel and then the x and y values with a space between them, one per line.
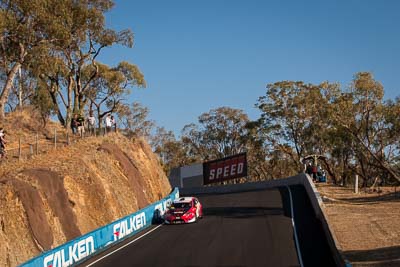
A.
pixel 98 240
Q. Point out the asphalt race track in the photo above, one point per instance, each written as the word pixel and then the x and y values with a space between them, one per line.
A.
pixel 238 229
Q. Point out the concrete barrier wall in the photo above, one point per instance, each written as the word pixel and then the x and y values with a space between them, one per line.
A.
pixel 175 178
pixel 102 238
pixel 187 176
pixel 301 179
pixel 231 188
pixel 193 181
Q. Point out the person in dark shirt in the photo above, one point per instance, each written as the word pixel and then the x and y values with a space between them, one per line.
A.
pixel 81 125
pixel 314 172
pixel 309 169
pixel 74 124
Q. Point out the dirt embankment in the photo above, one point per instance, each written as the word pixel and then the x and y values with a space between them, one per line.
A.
pixel 58 196
pixel 367 225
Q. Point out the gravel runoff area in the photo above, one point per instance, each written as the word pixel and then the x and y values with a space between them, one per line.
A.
pixel 366 225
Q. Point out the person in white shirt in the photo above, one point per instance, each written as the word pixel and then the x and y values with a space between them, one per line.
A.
pixel 91 124
pixel 113 123
pixel 108 123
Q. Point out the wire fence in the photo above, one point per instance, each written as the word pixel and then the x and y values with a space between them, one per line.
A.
pixel 25 147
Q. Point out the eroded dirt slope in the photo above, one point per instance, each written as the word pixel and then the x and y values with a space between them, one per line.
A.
pixel 55 197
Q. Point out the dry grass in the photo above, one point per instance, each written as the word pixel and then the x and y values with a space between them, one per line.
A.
pixel 367 225
pixel 26 123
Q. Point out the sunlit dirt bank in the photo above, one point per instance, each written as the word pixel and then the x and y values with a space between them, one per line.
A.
pixel 59 195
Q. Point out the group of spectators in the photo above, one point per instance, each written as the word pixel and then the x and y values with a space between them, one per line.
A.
pixel 78 124
pixel 316 172
pixel 77 127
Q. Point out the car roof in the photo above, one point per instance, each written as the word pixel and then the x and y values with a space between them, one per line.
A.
pixel 183 200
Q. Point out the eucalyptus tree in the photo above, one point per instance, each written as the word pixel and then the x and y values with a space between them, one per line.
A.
pixel 257 155
pixel 293 118
pixel 393 128
pixel 171 152
pixel 25 26
pixel 354 129
pixel 41 100
pixel 134 119
pixel 56 40
pixel 84 37
pixel 107 91
pixel 220 133
pixel 296 119
pixel 362 114
pixel 48 67
pixel 22 90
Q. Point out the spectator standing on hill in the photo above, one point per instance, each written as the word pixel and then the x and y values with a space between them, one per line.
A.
pixel 309 169
pixel 108 123
pixel 91 124
pixel 2 143
pixel 113 123
pixel 74 124
pixel 314 172
pixel 81 125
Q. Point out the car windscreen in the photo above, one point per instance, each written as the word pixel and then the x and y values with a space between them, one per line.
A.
pixel 181 205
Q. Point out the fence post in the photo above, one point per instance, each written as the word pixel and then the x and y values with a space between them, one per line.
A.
pixel 55 138
pixel 356 185
pixel 19 148
pixel 37 144
pixel 67 138
pixel 31 149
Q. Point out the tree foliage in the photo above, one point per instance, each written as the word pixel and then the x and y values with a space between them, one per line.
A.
pixel 107 91
pixel 354 129
pixel 134 119
pixel 58 43
pixel 219 133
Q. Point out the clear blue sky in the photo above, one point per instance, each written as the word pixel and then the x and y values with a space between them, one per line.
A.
pixel 199 55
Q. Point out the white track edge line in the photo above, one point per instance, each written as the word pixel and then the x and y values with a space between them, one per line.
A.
pixel 294 227
pixel 127 244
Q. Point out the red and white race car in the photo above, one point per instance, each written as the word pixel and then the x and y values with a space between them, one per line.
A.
pixel 184 210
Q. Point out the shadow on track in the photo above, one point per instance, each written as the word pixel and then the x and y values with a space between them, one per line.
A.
pixel 388 256
pixel 242 212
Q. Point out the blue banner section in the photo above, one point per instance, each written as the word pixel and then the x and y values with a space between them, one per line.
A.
pixel 99 239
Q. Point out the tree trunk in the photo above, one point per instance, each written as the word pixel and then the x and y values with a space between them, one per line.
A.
pixel 7 88
pixel 384 165
pixel 99 118
pixel 68 116
pixel 76 103
pixel 56 107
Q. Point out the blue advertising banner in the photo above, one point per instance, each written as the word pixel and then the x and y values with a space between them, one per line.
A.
pixel 99 239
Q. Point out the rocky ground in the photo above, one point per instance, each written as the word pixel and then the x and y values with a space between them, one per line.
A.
pixel 366 225
pixel 50 198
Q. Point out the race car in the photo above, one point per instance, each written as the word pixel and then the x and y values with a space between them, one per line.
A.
pixel 184 210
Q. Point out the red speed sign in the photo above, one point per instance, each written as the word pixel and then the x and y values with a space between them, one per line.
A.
pixel 225 169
